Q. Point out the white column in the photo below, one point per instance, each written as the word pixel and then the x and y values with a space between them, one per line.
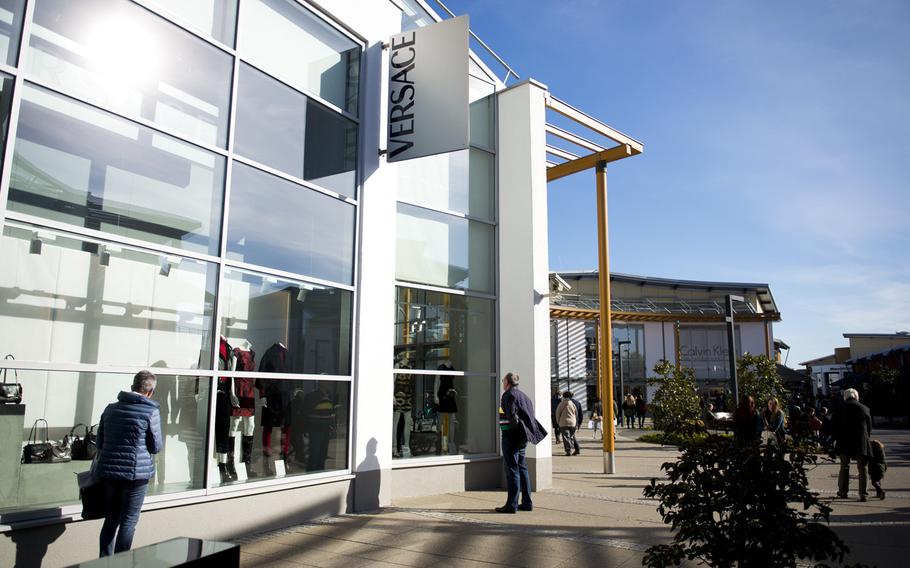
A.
pixel 524 318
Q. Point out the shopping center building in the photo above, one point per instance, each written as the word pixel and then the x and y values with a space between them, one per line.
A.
pixel 217 191
pixel 653 320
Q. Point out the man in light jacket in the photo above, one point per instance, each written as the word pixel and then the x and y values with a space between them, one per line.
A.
pixel 567 416
pixel 128 434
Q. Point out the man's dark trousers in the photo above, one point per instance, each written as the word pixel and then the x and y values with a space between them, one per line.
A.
pixel 513 458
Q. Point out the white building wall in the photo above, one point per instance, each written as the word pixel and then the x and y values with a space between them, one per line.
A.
pixel 524 319
pixel 752 337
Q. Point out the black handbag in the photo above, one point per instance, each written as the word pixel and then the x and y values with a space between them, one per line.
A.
pixel 85 448
pixel 91 493
pixel 10 393
pixel 46 451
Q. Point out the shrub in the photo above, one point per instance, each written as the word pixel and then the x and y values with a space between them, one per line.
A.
pixel 731 506
pixel 676 406
pixel 758 378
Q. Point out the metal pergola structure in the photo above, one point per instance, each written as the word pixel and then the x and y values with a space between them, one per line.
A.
pixel 565 163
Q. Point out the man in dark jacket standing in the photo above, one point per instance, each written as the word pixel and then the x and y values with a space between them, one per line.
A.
pixel 519 426
pixel 852 428
pixel 128 434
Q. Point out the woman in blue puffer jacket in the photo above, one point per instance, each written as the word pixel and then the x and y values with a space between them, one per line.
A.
pixel 128 434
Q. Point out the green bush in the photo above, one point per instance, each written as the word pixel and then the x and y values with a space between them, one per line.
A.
pixel 676 407
pixel 731 506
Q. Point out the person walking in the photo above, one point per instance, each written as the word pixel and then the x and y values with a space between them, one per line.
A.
pixel 567 417
pixel 129 432
pixel 554 402
pixel 628 410
pixel 519 426
pixel 597 417
pixel 878 465
pixel 852 428
pixel 640 409
pixel 747 424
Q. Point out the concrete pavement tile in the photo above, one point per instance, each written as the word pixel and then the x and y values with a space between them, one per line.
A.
pixel 265 547
pixel 402 557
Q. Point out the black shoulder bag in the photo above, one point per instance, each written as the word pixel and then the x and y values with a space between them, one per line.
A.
pixel 10 393
pixel 46 451
pixel 82 449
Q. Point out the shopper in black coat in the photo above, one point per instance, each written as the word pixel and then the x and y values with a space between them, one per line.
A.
pixel 852 427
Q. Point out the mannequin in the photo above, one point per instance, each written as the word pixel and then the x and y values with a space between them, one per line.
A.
pixel 243 420
pixel 276 395
pixel 224 402
pixel 447 406
pixel 402 406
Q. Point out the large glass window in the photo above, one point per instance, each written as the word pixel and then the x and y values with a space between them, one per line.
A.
pixel 443 250
pixel 704 349
pixel 281 128
pixel 217 18
pixel 439 415
pixel 439 331
pixel 75 164
pixel 120 55
pixel 11 12
pixel 458 181
pixel 295 327
pixel 56 405
pixel 267 428
pixel 279 224
pixel 290 42
pixel 6 99
pixel 632 355
pixel 67 300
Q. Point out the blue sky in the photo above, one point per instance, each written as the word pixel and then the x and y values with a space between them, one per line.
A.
pixel 777 146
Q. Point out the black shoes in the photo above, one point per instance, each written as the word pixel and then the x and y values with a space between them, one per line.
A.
pixel 841 495
pixel 529 507
pixel 575 453
pixel 508 510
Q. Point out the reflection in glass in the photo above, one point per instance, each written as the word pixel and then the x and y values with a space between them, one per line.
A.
pixel 281 128
pixel 11 13
pixel 217 18
pixel 443 250
pixel 481 117
pixel 78 165
pixel 6 99
pixel 279 224
pixel 704 349
pixel 457 181
pixel 71 402
pixel 434 330
pixel 442 415
pixel 121 56
pixel 286 427
pixel 65 300
pixel 295 327
pixel 288 41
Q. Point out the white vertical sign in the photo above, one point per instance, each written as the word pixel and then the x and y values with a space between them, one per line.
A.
pixel 428 90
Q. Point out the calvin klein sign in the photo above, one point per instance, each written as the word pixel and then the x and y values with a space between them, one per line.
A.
pixel 428 90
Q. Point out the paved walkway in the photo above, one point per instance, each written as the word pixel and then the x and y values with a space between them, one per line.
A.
pixel 587 519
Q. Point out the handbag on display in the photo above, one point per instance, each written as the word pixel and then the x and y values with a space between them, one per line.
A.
pixel 46 451
pixel 84 448
pixel 10 393
pixel 425 425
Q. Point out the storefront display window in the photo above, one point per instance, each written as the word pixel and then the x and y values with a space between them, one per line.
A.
pixel 295 327
pixel 461 182
pixel 60 406
pixel 443 250
pixel 297 135
pixel 632 354
pixel 11 12
pixel 69 300
pixel 6 99
pixel 217 18
pixel 439 331
pixel 290 42
pixel 268 428
pixel 79 165
pixel 279 224
pixel 121 56
pixel 440 415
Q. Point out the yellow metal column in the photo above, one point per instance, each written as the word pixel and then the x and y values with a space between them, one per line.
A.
pixel 605 353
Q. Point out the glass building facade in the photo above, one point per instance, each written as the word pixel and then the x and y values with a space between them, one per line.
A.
pixel 180 193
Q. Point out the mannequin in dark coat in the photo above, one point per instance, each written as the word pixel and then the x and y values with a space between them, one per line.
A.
pixel 852 427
